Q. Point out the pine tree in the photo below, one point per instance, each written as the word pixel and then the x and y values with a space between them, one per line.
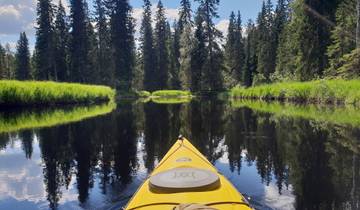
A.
pixel 122 36
pixel 212 69
pixel 162 54
pixel 198 53
pixel 234 50
pixel 79 42
pixel 184 38
pixel 175 82
pixel 2 61
pixel 23 71
pixel 250 52
pixel 184 15
pixel 92 73
pixel 147 48
pixel 342 38
pixel 266 60
pixel 61 44
pixel 106 71
pixel 9 63
pixel 44 41
pixel 186 53
pixel 358 25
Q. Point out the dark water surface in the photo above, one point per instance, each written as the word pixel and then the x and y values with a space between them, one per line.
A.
pixel 98 163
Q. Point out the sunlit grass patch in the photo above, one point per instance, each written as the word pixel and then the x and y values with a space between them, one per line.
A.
pixel 22 93
pixel 319 91
pixel 171 94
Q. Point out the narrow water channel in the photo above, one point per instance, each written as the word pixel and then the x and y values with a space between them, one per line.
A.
pixel 278 162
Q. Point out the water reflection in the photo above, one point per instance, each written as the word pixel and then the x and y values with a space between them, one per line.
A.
pixel 280 162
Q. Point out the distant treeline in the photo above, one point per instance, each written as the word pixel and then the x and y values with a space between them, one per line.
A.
pixel 296 40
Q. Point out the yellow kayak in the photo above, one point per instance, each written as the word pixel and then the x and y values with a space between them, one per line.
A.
pixel 185 179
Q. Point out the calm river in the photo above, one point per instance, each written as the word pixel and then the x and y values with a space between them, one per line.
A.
pixel 98 162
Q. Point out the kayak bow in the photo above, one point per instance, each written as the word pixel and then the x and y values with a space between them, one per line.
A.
pixel 184 177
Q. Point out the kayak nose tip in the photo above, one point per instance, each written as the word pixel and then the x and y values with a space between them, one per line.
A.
pixel 181 137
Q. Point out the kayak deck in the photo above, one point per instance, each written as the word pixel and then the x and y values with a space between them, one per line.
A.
pixel 184 155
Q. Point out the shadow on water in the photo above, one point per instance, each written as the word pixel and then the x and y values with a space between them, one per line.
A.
pixel 279 161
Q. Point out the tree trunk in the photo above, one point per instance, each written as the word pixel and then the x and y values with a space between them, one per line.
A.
pixel 358 25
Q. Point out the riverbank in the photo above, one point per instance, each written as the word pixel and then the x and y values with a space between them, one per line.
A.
pixel 35 93
pixel 337 92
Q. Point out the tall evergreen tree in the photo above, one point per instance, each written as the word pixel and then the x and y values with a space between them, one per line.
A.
pixel 61 44
pixel 187 52
pixel 23 71
pixel 358 24
pixel 122 36
pixel 2 61
pixel 162 54
pixel 44 41
pixel 106 71
pixel 265 51
pixel 250 52
pixel 79 42
pixel 9 63
pixel 184 15
pixel 234 50
pixel 175 81
pixel 198 53
pixel 213 66
pixel 147 48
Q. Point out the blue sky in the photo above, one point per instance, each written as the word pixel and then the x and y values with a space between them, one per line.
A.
pixel 20 15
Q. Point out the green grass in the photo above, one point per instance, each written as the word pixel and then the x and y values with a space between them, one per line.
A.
pixel 51 117
pixel 319 91
pixel 332 114
pixel 171 94
pixel 25 93
pixel 171 100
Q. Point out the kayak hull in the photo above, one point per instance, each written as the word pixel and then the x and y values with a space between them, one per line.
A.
pixel 184 155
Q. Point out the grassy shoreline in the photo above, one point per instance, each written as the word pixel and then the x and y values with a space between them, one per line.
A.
pixel 35 93
pixel 338 92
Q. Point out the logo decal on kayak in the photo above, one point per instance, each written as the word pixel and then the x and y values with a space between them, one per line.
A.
pixel 183 159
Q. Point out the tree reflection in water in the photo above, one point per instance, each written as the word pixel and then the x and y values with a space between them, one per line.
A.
pixel 320 161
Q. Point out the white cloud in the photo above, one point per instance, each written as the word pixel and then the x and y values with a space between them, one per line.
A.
pixel 223 26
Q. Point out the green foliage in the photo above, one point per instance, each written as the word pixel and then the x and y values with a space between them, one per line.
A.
pixel 16 93
pixel 320 91
pixel 51 117
pixel 23 70
pixel 161 49
pixel 61 44
pixel 171 94
pixel 342 36
pixel 334 115
pixel 123 43
pixel 181 100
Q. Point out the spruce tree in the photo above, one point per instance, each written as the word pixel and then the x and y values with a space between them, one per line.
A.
pixel 23 71
pixel 184 34
pixel 2 61
pixel 79 42
pixel 122 36
pixel 239 52
pixel 106 70
pixel 161 50
pixel 266 61
pixel 230 51
pixel 250 54
pixel 358 24
pixel 61 44
pixel 92 70
pixel 44 41
pixel 211 79
pixel 147 48
pixel 9 63
pixel 198 53
pixel 175 82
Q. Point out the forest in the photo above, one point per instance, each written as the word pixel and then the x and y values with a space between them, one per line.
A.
pixel 293 40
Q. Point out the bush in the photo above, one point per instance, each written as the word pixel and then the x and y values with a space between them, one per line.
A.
pixel 171 94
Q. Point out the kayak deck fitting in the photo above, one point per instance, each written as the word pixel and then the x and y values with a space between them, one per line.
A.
pixel 185 176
